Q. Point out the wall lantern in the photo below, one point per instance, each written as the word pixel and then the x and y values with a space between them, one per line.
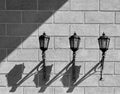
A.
pixel 44 42
pixel 103 43
pixel 74 41
pixel 103 46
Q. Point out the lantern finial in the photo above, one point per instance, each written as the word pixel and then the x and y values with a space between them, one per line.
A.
pixel 103 34
pixel 44 33
pixel 75 33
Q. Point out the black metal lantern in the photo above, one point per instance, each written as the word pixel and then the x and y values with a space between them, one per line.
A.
pixel 103 46
pixel 74 46
pixel 74 42
pixel 44 41
pixel 103 42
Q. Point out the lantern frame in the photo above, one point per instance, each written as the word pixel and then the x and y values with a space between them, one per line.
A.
pixel 74 41
pixel 44 41
pixel 103 42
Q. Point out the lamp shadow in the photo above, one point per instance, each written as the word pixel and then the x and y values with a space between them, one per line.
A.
pixel 39 79
pixel 16 85
pixel 92 71
pixel 67 79
pixel 64 78
pixel 15 75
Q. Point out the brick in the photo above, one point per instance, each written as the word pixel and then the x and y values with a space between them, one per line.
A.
pixel 117 17
pixel 85 29
pixel 2 29
pixel 59 66
pixel 21 4
pixel 110 30
pixel 56 55
pixel 110 80
pixel 9 42
pixel 99 17
pixel 87 55
pixel 109 5
pixel 22 29
pixel 84 4
pixel 2 4
pixel 77 90
pixel 54 29
pixel 52 4
pixel 117 42
pixel 61 42
pixel 117 68
pixel 3 81
pixel 5 90
pixel 108 67
pixel 99 90
pixel 112 55
pixel 89 81
pixel 36 17
pixel 31 90
pixel 69 17
pixel 23 55
pixel 10 17
pixel 91 42
pixel 117 90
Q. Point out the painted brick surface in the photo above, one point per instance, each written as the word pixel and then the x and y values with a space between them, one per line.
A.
pixel 109 5
pixel 99 17
pixel 99 90
pixel 21 4
pixel 69 17
pixel 84 4
pixel 10 16
pixel 23 21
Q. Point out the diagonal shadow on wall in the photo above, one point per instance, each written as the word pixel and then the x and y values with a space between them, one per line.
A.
pixel 15 31
pixel 15 74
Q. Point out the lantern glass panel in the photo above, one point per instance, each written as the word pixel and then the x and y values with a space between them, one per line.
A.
pixel 104 43
pixel 108 41
pixel 71 43
pixel 76 43
pixel 46 42
pixel 41 43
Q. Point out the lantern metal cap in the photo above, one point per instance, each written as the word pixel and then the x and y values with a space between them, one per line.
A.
pixel 74 36
pixel 43 36
pixel 103 36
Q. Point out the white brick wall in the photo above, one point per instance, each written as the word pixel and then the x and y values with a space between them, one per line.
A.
pixel 21 24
